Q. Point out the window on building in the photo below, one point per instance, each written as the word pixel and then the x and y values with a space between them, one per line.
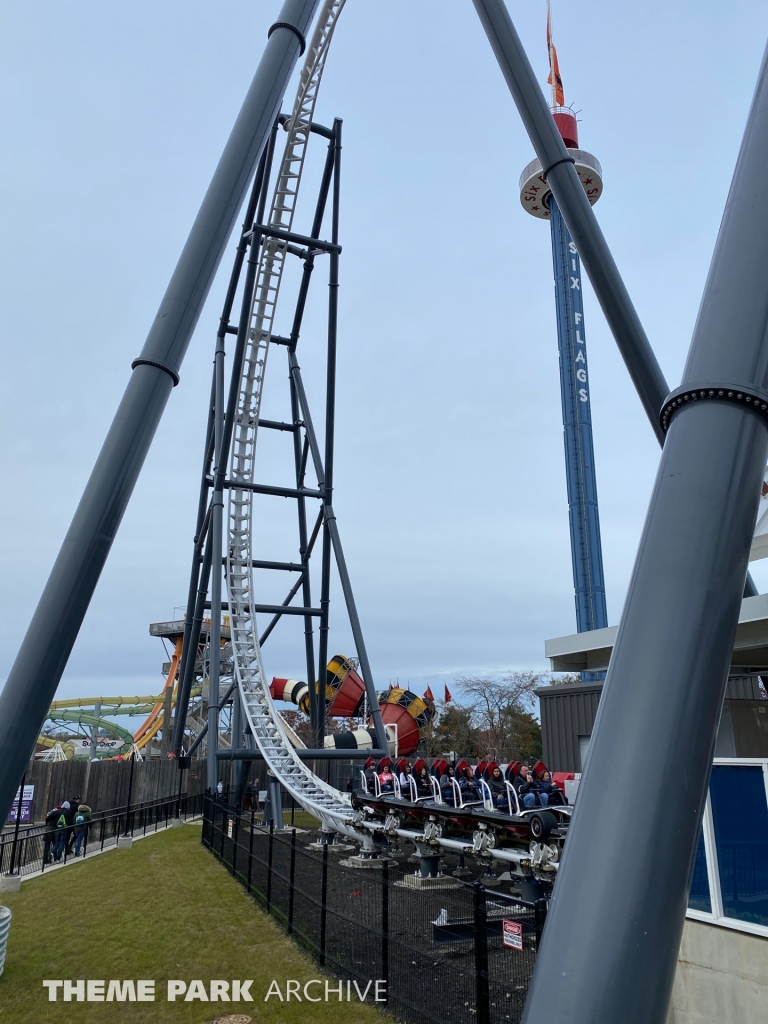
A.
pixel 740 815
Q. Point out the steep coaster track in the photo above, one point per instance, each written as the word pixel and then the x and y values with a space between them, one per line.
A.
pixel 331 807
pixel 335 810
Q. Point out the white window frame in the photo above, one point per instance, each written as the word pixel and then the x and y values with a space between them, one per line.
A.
pixel 717 917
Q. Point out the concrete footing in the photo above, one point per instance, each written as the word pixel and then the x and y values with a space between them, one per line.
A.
pixel 420 883
pixel 124 842
pixel 176 822
pixel 10 883
pixel 365 862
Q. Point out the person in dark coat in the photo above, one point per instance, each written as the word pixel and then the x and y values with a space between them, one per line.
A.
pixel 82 821
pixel 70 815
pixel 470 791
pixel 531 792
pixel 552 792
pixel 446 786
pixel 498 790
pixel 423 785
pixel 50 832
pixel 60 841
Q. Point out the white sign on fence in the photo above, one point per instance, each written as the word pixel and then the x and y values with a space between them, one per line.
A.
pixel 512 932
pixel 26 805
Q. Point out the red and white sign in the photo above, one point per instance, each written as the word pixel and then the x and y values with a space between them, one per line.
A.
pixel 512 932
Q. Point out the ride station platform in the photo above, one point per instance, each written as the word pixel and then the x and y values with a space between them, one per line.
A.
pixel 591 651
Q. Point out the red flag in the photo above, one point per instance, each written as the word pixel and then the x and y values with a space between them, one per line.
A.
pixel 448 697
pixel 428 694
pixel 558 94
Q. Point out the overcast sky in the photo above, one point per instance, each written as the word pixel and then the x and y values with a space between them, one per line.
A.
pixel 450 481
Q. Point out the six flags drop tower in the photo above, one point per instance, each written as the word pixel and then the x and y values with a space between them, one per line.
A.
pixel 537 199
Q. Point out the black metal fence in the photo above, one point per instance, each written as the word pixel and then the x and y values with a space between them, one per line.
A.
pixel 440 952
pixel 31 849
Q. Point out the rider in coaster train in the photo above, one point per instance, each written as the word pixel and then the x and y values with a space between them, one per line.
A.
pixel 469 788
pixel 498 789
pixel 423 785
pixel 386 779
pixel 446 788
pixel 528 788
pixel 548 789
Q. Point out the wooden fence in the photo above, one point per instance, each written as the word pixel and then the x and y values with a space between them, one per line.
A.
pixel 103 785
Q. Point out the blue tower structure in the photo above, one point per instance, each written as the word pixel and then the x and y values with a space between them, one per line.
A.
pixel 584 518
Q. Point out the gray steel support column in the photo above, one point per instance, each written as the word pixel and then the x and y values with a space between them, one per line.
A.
pixel 236 737
pixel 330 428
pixel 315 684
pixel 193 646
pixel 43 655
pixel 217 514
pixel 182 699
pixel 341 563
pixel 258 194
pixel 614 927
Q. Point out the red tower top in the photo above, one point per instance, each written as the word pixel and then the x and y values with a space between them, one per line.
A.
pixel 567 125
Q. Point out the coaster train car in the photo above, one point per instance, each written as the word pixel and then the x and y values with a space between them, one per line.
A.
pixel 528 841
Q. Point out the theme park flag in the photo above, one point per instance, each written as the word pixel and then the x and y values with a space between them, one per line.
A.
pixel 554 68
pixel 428 694
pixel 448 697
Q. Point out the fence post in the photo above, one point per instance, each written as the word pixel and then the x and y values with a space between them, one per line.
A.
pixel 18 823
pixel 540 908
pixel 235 834
pixel 481 955
pixel 130 793
pixel 290 885
pixel 385 928
pixel 269 865
pixel 324 905
pixel 250 853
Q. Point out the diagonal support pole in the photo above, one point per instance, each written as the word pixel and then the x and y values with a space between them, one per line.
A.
pixel 45 649
pixel 617 916
pixel 558 168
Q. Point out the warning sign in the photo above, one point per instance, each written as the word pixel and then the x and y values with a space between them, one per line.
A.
pixel 513 933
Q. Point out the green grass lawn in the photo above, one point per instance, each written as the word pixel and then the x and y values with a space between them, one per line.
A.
pixel 163 910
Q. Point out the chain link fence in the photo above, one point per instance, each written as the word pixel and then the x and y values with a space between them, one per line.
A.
pixel 457 951
pixel 28 850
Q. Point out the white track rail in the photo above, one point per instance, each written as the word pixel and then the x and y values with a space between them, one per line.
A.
pixel 332 807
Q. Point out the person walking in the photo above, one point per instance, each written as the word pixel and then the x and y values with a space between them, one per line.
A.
pixel 82 821
pixel 73 804
pixel 60 841
pixel 50 832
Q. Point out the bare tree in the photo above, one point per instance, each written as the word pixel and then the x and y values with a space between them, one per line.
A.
pixel 500 706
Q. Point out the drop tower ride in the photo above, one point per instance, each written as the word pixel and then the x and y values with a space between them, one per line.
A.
pixel 537 200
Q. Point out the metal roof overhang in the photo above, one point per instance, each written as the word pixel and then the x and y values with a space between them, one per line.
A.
pixel 591 652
